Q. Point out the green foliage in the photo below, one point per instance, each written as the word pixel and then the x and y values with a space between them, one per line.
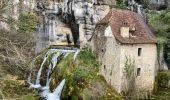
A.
pixel 163 78
pixel 129 69
pixel 27 23
pixel 160 22
pixel 87 57
pixel 130 90
pixel 121 4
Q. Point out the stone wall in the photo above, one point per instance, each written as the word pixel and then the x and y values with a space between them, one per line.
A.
pixel 108 52
pixel 110 63
pixel 146 62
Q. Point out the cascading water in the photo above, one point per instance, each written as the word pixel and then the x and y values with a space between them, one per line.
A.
pixel 44 90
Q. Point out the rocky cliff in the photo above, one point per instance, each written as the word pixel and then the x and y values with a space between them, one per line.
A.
pixel 79 17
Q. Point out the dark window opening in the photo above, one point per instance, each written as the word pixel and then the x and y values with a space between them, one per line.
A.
pixel 132 33
pixel 103 50
pixel 104 67
pixel 105 71
pixel 138 71
pixel 139 51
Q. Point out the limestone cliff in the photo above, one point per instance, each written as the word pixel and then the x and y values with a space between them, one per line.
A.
pixel 79 17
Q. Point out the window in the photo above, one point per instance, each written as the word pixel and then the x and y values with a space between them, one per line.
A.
pixel 104 67
pixel 132 34
pixel 105 70
pixel 138 71
pixel 139 51
pixel 102 50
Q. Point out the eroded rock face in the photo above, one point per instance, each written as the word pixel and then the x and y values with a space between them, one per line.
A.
pixel 80 16
pixel 157 4
pixel 136 6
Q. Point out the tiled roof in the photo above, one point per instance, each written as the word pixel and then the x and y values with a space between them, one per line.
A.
pixel 116 17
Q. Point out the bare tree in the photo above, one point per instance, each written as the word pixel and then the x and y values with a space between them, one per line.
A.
pixel 15 50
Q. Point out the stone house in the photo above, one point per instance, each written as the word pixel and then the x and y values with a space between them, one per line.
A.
pixel 123 34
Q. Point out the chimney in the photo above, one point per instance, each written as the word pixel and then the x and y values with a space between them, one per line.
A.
pixel 124 30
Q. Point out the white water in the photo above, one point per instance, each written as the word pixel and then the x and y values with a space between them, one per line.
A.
pixel 75 55
pixel 57 92
pixel 40 70
pixel 56 55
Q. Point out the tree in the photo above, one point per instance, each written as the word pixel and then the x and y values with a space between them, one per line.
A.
pixel 160 22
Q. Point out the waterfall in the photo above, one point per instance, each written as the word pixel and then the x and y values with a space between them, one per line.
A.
pixel 55 55
pixel 75 55
pixel 48 74
pixel 40 70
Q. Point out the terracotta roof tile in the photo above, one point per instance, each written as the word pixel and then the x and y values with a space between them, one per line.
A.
pixel 116 17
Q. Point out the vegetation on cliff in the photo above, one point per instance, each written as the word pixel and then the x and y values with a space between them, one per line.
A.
pixel 27 23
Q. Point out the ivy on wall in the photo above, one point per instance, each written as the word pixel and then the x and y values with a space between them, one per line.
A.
pixel 130 90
